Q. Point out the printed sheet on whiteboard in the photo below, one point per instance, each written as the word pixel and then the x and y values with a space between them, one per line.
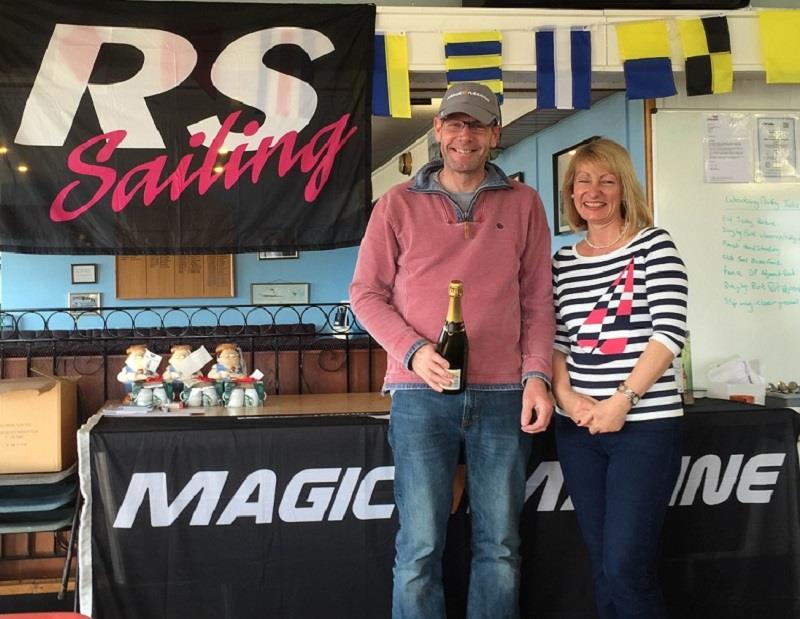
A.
pixel 777 149
pixel 728 149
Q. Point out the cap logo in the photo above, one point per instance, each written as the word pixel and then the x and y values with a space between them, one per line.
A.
pixel 469 92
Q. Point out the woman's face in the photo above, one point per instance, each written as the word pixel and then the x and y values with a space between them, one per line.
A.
pixel 597 193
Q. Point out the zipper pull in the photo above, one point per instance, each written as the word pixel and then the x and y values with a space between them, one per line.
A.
pixel 466 229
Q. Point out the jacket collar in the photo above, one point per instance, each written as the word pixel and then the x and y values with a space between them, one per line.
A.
pixel 423 181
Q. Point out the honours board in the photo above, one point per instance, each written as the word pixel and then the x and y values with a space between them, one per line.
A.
pixel 171 277
pixel 741 245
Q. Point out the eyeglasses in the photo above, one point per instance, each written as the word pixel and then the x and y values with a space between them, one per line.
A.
pixel 457 126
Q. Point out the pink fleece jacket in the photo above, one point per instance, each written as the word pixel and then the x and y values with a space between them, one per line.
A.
pixel 415 244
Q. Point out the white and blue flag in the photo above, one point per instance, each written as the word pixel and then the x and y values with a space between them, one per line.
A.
pixel 564 69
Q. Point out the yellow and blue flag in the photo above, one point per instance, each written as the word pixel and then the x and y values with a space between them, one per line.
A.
pixel 391 93
pixel 644 49
pixel 475 57
pixel 706 45
pixel 780 45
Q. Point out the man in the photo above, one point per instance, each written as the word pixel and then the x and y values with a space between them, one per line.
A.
pixel 460 218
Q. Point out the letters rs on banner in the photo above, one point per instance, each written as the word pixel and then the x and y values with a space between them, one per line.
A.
pixel 159 128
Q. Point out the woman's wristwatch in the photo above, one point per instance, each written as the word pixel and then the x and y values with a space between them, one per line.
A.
pixel 629 393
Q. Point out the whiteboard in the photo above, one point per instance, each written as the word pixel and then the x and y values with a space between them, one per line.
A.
pixel 741 245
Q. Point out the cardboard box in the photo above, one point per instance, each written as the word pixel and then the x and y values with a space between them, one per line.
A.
pixel 38 424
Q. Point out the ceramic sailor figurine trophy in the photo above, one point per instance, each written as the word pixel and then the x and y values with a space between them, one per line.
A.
pixel 135 368
pixel 229 366
pixel 172 375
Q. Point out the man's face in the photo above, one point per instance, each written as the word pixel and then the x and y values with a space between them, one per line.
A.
pixel 465 142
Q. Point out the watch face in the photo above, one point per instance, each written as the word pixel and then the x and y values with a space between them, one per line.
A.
pixel 629 393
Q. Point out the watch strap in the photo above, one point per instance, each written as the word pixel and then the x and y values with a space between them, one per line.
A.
pixel 629 393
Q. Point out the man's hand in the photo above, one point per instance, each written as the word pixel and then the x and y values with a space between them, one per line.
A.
pixel 431 367
pixel 537 406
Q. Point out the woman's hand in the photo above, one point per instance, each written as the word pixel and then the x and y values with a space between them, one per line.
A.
pixel 609 415
pixel 579 407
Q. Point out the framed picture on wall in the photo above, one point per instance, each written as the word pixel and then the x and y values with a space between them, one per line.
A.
pixel 561 161
pixel 279 294
pixel 276 255
pixel 83 273
pixel 81 303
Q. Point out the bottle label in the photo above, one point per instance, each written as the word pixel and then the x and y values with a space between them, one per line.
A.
pixel 455 380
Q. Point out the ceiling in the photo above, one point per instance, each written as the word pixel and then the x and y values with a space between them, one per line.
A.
pixel 392 136
pixel 537 120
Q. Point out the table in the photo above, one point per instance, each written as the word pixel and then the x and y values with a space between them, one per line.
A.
pixel 291 516
pixel 257 513
pixel 731 543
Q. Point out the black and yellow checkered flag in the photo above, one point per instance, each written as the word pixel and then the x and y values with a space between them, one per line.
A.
pixel 707 48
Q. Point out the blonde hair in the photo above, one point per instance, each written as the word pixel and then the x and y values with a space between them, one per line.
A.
pixel 135 348
pixel 610 155
pixel 226 346
pixel 181 347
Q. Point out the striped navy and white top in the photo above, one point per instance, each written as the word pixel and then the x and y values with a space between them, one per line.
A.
pixel 609 307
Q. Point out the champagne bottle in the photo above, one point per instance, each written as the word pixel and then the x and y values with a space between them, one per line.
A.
pixel 453 344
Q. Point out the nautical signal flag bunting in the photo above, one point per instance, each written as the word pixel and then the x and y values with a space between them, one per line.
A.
pixel 780 45
pixel 563 69
pixel 391 92
pixel 475 57
pixel 644 50
pixel 707 48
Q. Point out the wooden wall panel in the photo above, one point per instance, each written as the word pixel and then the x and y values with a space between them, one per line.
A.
pixel 160 275
pixel 175 277
pixel 131 277
pixel 218 276
pixel 189 275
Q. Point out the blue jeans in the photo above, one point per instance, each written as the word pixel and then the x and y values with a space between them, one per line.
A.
pixel 426 430
pixel 620 484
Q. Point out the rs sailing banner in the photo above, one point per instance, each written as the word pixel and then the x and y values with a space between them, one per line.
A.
pixel 161 127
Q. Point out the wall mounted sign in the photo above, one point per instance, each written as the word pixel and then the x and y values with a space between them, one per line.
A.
pixel 84 273
pixel 279 294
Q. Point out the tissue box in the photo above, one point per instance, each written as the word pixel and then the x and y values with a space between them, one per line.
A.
pixel 38 421
pixel 737 391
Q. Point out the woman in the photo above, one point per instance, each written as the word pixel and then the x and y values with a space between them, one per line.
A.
pixel 620 297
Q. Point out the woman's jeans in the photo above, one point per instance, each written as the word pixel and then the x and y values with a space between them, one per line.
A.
pixel 620 484
pixel 426 430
